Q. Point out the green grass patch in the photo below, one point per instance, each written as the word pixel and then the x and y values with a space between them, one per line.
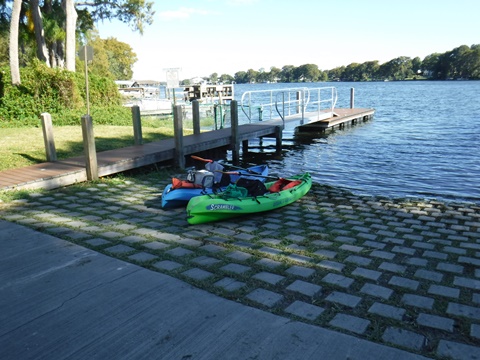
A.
pixel 20 147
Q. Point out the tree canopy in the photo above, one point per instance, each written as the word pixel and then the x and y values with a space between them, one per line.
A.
pixel 52 30
pixel 462 62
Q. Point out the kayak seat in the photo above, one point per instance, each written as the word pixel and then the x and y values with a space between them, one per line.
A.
pixel 283 184
pixel 184 184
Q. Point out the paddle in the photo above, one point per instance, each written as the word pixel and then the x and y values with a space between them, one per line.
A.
pixel 253 174
pixel 228 165
pixel 195 157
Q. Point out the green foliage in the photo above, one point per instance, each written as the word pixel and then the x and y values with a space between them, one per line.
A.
pixel 3 49
pixel 462 62
pixel 136 13
pixel 120 58
pixel 60 93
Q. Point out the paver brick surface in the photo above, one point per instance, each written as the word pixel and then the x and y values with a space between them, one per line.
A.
pixel 304 310
pixel 404 338
pixel 403 273
pixel 350 323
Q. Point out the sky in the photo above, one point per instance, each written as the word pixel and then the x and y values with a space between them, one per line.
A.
pixel 202 37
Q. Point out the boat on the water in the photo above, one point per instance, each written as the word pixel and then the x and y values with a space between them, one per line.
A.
pixel 179 192
pixel 234 202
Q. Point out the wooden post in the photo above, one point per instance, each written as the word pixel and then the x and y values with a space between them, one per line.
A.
pixel 245 146
pixel 137 125
pixel 196 116
pixel 235 135
pixel 178 134
pixel 48 137
pixel 89 148
pixel 352 98
pixel 278 138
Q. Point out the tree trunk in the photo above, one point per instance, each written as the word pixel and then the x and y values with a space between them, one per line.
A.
pixel 52 55
pixel 70 27
pixel 13 51
pixel 42 52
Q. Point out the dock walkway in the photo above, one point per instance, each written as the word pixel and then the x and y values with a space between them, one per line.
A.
pixel 50 175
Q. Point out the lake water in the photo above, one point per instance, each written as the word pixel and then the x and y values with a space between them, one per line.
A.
pixel 423 141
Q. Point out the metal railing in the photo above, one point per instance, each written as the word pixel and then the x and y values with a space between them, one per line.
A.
pixel 260 105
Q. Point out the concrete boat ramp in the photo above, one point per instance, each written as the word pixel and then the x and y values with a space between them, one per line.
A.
pixel 63 301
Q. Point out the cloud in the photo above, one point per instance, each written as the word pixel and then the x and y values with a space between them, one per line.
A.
pixel 182 13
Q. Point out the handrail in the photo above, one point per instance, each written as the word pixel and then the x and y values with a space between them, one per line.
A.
pixel 289 101
pixel 332 100
pixel 266 99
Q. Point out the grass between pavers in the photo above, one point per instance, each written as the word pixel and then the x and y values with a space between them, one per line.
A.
pixel 316 222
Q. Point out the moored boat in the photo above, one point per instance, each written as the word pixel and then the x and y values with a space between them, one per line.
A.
pixel 221 206
pixel 177 196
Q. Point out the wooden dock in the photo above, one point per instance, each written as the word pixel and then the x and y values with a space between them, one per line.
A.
pixel 50 175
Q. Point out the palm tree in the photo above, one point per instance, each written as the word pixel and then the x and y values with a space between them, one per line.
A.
pixel 13 48
pixel 71 23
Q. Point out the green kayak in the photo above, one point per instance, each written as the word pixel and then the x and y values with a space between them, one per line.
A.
pixel 229 204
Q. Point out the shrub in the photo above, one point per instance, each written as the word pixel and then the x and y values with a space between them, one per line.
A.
pixel 59 92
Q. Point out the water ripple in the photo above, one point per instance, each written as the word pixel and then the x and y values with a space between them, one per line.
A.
pixel 422 142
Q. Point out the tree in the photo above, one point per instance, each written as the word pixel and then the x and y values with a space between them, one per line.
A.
pixel 369 70
pixel 416 65
pixel 262 76
pixel 352 72
pixel 459 59
pixel 13 53
pixel 120 58
pixel 226 79
pixel 56 29
pixel 70 40
pixel 430 65
pixel 473 63
pixel 307 73
pixel 42 51
pixel 251 76
pixel 335 74
pixel 287 74
pixel 240 77
pixel 213 78
pixel 134 12
pixel 274 74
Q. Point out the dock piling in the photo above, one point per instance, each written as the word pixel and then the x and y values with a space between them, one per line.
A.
pixel 196 116
pixel 89 148
pixel 278 140
pixel 48 137
pixel 235 132
pixel 178 134
pixel 137 125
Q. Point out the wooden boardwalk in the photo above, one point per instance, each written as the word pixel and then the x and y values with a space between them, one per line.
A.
pixel 50 175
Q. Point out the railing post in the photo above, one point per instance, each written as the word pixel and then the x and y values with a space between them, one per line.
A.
pixel 137 125
pixel 235 134
pixel 303 106
pixel 196 116
pixel 352 98
pixel 178 135
pixel 89 148
pixel 48 137
pixel 299 99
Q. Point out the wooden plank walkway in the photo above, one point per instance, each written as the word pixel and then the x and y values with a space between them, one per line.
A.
pixel 50 175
